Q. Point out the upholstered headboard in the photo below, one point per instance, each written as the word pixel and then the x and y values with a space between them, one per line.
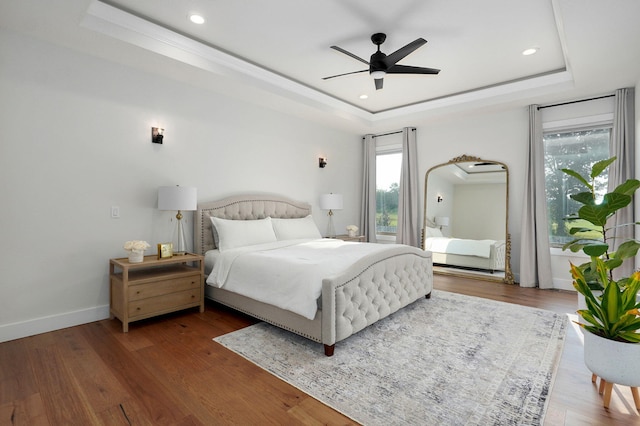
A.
pixel 243 207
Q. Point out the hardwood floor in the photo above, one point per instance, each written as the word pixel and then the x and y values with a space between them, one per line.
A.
pixel 167 371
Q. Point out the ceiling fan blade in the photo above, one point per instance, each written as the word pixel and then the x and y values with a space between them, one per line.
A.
pixel 357 58
pixel 346 73
pixel 405 69
pixel 378 83
pixel 396 56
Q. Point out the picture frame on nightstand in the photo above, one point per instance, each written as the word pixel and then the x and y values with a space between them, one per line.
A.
pixel 165 250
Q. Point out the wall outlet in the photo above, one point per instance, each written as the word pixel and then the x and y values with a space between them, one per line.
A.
pixel 115 212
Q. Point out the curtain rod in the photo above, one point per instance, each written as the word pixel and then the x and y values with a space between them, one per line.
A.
pixel 413 129
pixel 575 102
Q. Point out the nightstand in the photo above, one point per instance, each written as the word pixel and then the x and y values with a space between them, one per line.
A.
pixel 345 237
pixel 155 286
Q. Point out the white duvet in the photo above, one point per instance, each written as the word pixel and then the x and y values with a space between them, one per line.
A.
pixel 480 248
pixel 286 274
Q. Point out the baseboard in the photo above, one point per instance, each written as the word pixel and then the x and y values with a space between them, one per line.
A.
pixel 18 330
pixel 563 284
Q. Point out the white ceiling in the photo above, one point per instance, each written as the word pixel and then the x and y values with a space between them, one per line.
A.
pixel 282 48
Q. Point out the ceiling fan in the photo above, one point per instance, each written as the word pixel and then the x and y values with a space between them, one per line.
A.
pixel 381 64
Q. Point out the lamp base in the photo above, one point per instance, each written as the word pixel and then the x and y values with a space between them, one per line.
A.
pixel 331 231
pixel 178 240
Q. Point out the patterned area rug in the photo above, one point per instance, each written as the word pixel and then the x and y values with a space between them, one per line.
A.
pixel 451 359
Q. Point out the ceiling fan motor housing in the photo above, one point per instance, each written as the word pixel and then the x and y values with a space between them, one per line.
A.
pixel 377 63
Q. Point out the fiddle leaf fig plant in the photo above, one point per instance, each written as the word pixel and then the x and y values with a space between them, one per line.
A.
pixel 612 306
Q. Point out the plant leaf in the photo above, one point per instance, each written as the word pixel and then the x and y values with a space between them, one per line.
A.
pixel 577 176
pixel 628 187
pixel 595 248
pixel 583 198
pixel 611 301
pixel 627 250
pixel 600 166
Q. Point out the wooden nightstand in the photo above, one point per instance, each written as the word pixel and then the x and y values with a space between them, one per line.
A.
pixel 345 237
pixel 155 286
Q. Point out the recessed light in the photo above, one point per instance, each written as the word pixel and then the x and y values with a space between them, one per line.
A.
pixel 364 96
pixel 530 51
pixel 196 19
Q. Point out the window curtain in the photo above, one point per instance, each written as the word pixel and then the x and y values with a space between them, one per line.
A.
pixel 535 258
pixel 368 207
pixel 622 146
pixel 408 232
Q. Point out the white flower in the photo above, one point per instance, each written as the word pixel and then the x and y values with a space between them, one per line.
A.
pixel 136 246
pixel 352 228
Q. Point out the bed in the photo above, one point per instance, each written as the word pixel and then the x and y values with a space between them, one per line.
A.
pixel 380 282
pixel 486 255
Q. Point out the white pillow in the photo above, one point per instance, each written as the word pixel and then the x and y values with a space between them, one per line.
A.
pixel 293 229
pixel 433 232
pixel 240 233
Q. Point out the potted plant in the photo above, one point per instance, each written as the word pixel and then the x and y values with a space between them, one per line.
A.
pixel 610 319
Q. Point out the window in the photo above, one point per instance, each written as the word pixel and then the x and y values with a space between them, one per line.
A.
pixel 577 150
pixel 388 169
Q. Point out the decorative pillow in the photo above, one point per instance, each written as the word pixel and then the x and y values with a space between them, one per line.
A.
pixel 240 233
pixel 293 229
pixel 433 232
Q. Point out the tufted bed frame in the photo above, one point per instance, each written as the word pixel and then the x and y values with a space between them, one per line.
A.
pixel 371 289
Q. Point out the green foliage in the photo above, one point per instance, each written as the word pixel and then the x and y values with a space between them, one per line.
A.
pixel 613 314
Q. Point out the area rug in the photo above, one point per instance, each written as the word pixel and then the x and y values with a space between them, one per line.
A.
pixel 451 359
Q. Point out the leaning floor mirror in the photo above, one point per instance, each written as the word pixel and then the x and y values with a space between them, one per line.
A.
pixel 465 222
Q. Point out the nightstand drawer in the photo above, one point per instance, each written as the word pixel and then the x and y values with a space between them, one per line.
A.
pixel 159 288
pixel 163 303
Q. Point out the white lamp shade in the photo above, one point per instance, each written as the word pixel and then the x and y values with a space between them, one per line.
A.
pixel 442 221
pixel 331 202
pixel 177 198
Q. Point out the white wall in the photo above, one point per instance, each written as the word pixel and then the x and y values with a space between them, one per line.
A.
pixel 479 212
pixel 76 139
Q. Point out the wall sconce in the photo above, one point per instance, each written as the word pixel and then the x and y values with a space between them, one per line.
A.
pixel 322 162
pixel 439 198
pixel 157 135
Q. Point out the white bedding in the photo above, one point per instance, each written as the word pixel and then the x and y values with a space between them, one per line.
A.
pixel 479 248
pixel 286 274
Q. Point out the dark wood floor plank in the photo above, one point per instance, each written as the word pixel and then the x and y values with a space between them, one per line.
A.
pixel 61 394
pixel 159 403
pixel 29 411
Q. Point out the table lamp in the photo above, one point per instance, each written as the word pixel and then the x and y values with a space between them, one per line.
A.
pixel 331 202
pixel 180 198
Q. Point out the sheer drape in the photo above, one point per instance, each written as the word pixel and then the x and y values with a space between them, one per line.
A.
pixel 368 215
pixel 622 146
pixel 535 258
pixel 408 232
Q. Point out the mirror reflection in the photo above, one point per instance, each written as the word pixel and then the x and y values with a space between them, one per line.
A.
pixel 465 221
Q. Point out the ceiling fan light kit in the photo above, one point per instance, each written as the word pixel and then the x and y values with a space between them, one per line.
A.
pixel 381 64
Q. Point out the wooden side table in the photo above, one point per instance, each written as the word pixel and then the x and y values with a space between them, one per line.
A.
pixel 154 286
pixel 345 237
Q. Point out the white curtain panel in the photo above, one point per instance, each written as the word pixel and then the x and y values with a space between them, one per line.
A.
pixel 368 215
pixel 408 230
pixel 535 258
pixel 622 146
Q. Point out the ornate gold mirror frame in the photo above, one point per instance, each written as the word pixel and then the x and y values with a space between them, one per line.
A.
pixel 460 163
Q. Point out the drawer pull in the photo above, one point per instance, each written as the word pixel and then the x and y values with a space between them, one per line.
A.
pixel 138 308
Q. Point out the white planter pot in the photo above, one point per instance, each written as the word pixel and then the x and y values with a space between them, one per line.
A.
pixel 136 256
pixel 615 362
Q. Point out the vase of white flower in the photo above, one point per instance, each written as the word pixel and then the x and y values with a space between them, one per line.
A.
pixel 352 230
pixel 136 250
